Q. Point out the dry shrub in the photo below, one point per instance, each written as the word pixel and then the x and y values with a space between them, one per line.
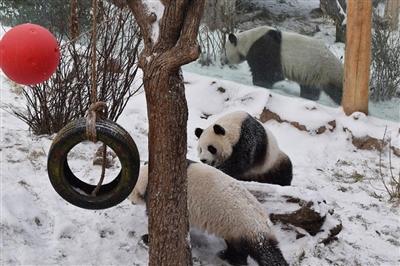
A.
pixel 219 20
pixel 385 65
pixel 390 180
pixel 65 97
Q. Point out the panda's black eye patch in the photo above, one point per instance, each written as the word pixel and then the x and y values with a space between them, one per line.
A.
pixel 212 149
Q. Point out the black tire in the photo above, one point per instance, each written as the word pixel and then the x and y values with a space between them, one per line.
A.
pixel 77 192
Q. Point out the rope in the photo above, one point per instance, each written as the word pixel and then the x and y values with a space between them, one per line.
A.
pixel 85 32
pixel 103 171
pixel 93 95
pixel 96 109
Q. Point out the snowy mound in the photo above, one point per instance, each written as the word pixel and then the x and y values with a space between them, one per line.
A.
pixel 39 228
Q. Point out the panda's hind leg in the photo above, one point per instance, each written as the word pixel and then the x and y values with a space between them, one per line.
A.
pixel 234 253
pixel 310 92
pixel 335 92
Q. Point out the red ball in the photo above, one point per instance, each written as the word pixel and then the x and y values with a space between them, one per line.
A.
pixel 29 54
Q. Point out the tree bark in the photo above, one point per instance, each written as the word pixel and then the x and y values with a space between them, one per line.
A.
pixel 73 20
pixel 220 15
pixel 167 111
pixel 357 57
pixel 337 13
pixel 392 10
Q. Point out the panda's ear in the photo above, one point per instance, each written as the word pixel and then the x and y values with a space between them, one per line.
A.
pixel 233 39
pixel 219 130
pixel 198 131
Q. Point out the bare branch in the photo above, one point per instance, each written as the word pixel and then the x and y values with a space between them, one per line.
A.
pixel 186 49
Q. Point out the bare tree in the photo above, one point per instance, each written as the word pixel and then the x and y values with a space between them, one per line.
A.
pixel 165 51
pixel 392 10
pixel 219 20
pixel 73 20
pixel 220 14
pixel 337 11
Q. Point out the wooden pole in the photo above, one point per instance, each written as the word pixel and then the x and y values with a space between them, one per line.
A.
pixel 358 56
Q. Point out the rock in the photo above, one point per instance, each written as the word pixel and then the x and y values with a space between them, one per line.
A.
pixel 302 211
pixel 267 115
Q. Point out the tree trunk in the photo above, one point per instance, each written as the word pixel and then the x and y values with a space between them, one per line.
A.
pixel 220 15
pixel 392 10
pixel 337 11
pixel 73 20
pixel 168 217
pixel 161 60
pixel 357 57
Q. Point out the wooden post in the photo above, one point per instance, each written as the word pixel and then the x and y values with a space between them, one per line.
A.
pixel 358 56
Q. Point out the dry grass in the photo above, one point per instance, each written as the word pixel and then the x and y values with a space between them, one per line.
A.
pixel 390 180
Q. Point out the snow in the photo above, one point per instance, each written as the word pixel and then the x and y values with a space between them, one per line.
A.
pixel 40 228
pixel 155 7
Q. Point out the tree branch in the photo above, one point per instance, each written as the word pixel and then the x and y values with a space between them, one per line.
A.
pixel 186 49
pixel 143 19
pixel 170 32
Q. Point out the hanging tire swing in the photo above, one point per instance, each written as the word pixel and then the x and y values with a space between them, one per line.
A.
pixel 94 127
pixel 80 193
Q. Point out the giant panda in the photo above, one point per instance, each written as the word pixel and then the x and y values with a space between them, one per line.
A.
pixel 273 55
pixel 240 146
pixel 220 205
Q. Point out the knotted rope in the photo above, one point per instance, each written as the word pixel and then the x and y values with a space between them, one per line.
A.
pixel 97 109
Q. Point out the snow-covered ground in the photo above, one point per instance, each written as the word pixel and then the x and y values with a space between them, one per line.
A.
pixel 40 228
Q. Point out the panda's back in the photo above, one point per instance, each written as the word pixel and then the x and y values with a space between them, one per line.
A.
pixel 220 205
pixel 307 60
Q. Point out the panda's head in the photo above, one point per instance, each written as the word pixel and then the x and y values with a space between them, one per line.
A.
pixel 237 46
pixel 233 53
pixel 217 141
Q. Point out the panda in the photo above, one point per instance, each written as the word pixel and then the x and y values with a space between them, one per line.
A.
pixel 240 146
pixel 273 55
pixel 220 205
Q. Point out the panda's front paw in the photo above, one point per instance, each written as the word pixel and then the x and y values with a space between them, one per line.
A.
pixel 145 239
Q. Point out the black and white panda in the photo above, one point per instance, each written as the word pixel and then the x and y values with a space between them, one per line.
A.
pixel 274 55
pixel 220 205
pixel 240 146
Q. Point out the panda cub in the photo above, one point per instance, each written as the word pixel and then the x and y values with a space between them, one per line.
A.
pixel 273 56
pixel 220 205
pixel 241 147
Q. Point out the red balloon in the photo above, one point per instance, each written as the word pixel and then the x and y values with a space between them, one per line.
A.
pixel 29 54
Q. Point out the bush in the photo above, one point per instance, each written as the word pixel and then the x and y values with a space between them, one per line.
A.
pixel 65 97
pixel 219 20
pixel 385 64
